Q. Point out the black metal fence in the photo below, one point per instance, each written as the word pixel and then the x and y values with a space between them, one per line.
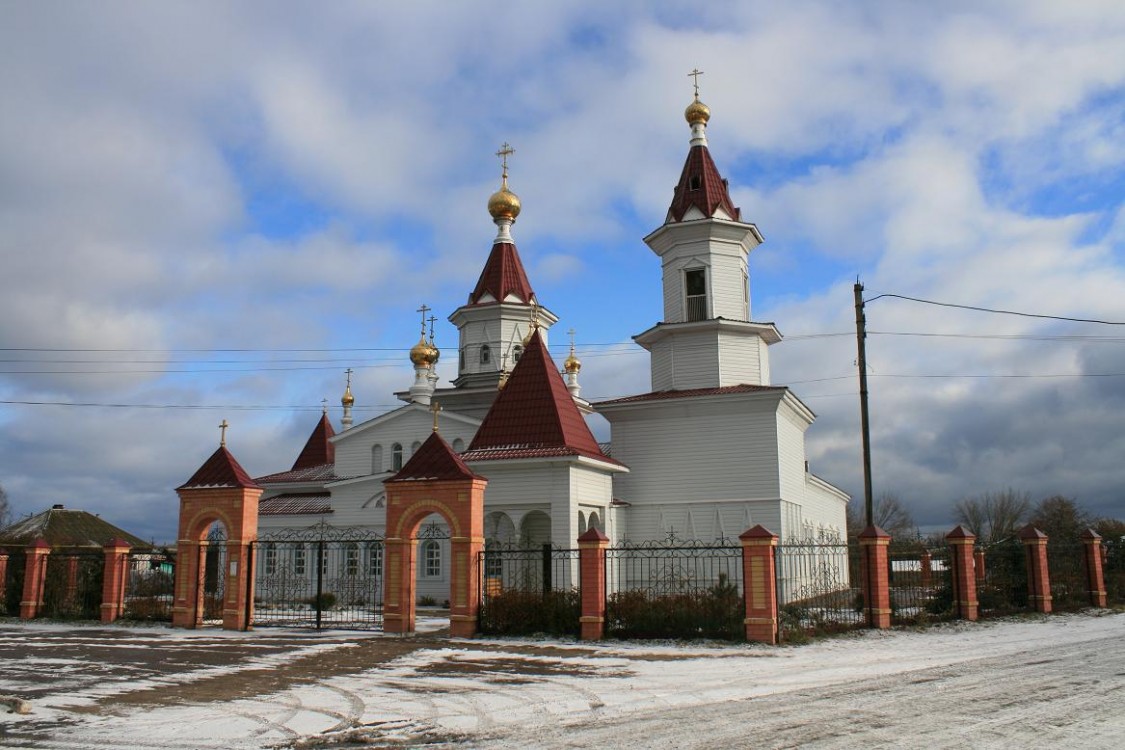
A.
pixel 321 577
pixel 149 579
pixel 1003 589
pixel 921 584
pixel 819 589
pixel 526 591
pixel 72 588
pixel 675 589
pixel 13 582
pixel 1066 565
pixel 1113 567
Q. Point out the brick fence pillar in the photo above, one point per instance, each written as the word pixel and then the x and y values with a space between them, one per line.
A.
pixel 1095 573
pixel 34 578
pixel 114 578
pixel 874 567
pixel 961 560
pixel 759 584
pixel 927 565
pixel 591 583
pixel 978 563
pixel 1038 575
pixel 3 575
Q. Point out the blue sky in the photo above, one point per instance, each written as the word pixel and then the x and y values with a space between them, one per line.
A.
pixel 196 176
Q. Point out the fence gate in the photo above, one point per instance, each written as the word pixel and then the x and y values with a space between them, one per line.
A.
pixel 320 577
pixel 149 585
pixel 214 564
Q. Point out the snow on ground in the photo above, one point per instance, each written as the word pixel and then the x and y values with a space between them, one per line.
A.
pixel 1033 681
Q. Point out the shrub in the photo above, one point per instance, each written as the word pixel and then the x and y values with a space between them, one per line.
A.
pixel 326 600
pixel 516 612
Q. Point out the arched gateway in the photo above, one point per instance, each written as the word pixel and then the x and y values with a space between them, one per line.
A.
pixel 434 480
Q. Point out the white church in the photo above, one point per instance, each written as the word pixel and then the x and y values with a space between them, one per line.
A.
pixel 711 450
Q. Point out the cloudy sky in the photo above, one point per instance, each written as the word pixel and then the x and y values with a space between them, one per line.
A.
pixel 226 205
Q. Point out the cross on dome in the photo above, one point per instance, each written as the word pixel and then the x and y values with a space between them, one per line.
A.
pixel 695 73
pixel 223 433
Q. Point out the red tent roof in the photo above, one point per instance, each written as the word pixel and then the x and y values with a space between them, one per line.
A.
pixel 434 460
pixel 503 274
pixel 318 450
pixel 702 186
pixel 534 415
pixel 220 470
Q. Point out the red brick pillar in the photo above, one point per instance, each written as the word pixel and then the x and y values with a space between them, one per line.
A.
pixel 1095 573
pixel 591 583
pixel 759 588
pixel 961 558
pixel 927 565
pixel 875 570
pixel 34 578
pixel 978 563
pixel 3 574
pixel 114 578
pixel 1038 575
pixel 398 584
pixel 464 600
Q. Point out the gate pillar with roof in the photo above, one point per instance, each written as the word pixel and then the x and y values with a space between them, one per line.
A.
pixel 220 490
pixel 434 480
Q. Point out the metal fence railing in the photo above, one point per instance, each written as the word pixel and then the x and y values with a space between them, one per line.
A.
pixel 529 590
pixel 921 584
pixel 818 589
pixel 1003 589
pixel 675 589
pixel 149 579
pixel 72 588
pixel 1113 568
pixel 1070 585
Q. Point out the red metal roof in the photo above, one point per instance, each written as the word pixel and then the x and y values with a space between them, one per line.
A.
pixel 702 186
pixel 503 274
pixel 220 470
pixel 296 504
pixel 691 392
pixel 534 415
pixel 322 473
pixel 434 460
pixel 318 450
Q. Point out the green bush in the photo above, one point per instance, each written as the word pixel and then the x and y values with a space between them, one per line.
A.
pixel 516 612
pixel 326 600
pixel 716 612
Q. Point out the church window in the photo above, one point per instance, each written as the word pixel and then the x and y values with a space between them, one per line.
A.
pixel 376 459
pixel 485 354
pixel 694 182
pixel 493 563
pixel 351 559
pixel 271 558
pixel 517 352
pixel 396 456
pixel 375 559
pixel 695 288
pixel 431 556
pixel 458 445
pixel 323 559
pixel 299 560
pixel 414 448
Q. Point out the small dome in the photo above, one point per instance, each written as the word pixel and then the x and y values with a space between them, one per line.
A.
pixel 572 363
pixel 347 399
pixel 504 204
pixel 424 354
pixel 697 111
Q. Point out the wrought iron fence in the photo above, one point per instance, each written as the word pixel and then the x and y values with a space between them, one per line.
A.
pixel 675 589
pixel 921 584
pixel 529 590
pixel 1066 565
pixel 13 582
pixel 818 589
pixel 1003 588
pixel 213 562
pixel 72 588
pixel 322 576
pixel 149 581
pixel 1113 568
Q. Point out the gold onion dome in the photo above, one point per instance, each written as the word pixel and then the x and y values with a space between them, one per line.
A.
pixel 347 399
pixel 504 204
pixel 572 363
pixel 697 111
pixel 424 353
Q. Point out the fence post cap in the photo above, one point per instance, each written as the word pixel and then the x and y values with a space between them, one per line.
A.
pixel 1089 535
pixel 874 532
pixel 1030 533
pixel 593 534
pixel 117 543
pixel 758 532
pixel 960 532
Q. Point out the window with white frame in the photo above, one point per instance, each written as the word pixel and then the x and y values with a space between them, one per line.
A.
pixel 695 294
pixel 351 559
pixel 270 558
pixel 431 558
pixel 375 559
pixel 300 560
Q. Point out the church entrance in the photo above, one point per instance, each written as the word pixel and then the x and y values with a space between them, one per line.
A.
pixel 213 561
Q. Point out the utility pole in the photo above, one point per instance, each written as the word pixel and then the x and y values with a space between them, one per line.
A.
pixel 861 340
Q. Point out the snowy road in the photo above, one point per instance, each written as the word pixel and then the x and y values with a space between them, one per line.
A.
pixel 1034 682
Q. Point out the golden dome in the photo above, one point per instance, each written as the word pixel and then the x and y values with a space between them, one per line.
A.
pixel 697 111
pixel 347 399
pixel 504 204
pixel 424 354
pixel 572 363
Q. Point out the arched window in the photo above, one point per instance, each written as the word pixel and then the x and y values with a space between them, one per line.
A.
pixel 414 448
pixel 299 560
pixel 351 559
pixel 581 522
pixel 485 354
pixel 431 558
pixel 271 558
pixel 376 459
pixel 458 445
pixel 517 352
pixel 396 456
pixel 375 559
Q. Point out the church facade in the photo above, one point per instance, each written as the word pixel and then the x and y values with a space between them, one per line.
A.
pixel 711 450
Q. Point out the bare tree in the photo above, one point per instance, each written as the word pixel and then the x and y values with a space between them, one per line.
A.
pixel 994 516
pixel 1061 518
pixel 5 508
pixel 888 513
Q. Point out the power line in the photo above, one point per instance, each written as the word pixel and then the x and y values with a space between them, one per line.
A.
pixel 1000 312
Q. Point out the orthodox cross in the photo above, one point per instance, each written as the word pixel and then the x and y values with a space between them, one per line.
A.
pixel 423 309
pixel 223 433
pixel 504 152
pixel 348 372
pixel 695 73
pixel 432 319
pixel 571 333
pixel 435 407
pixel 324 405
